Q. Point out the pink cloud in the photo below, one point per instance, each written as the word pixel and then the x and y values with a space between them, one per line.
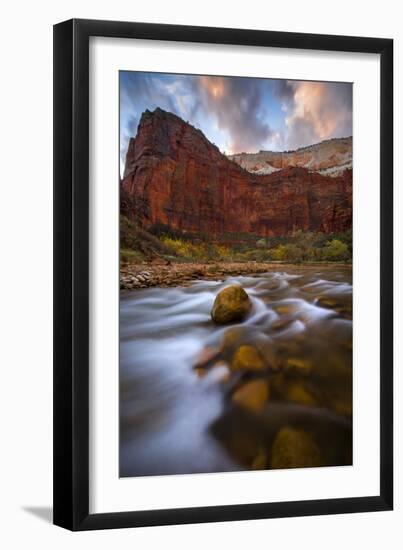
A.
pixel 316 111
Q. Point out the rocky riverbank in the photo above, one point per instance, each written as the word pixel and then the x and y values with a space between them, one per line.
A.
pixel 144 275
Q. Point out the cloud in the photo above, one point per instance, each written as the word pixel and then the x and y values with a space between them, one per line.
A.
pixel 237 104
pixel 284 91
pixel 240 114
pixel 315 111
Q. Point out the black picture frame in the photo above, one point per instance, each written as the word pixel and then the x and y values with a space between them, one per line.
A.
pixel 71 274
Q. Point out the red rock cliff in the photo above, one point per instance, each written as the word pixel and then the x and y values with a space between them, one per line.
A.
pixel 174 175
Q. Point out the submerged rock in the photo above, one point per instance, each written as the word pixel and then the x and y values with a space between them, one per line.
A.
pixel 297 393
pixel 327 301
pixel 252 396
pixel 206 357
pixel 294 449
pixel 247 358
pixel 282 323
pixel 232 304
pixel 341 304
pixel 200 371
pixel 299 365
pixel 288 308
pixel 233 337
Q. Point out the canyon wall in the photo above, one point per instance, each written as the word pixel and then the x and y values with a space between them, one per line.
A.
pixel 175 176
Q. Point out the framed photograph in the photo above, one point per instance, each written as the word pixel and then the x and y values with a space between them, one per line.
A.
pixel 223 321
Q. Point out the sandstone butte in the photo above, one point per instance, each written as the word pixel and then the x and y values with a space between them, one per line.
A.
pixel 175 176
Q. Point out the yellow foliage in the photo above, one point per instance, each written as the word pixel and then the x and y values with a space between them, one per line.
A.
pixel 197 251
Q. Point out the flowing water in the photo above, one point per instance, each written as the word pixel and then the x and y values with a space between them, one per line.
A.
pixel 177 419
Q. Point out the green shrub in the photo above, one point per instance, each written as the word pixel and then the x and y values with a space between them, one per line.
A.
pixel 335 250
pixel 288 252
pixel 136 239
pixel 261 243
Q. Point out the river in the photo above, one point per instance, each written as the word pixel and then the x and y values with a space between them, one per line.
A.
pixel 175 419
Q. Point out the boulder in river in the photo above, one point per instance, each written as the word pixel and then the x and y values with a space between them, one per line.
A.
pixel 232 304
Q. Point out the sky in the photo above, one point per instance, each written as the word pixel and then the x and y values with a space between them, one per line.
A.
pixel 240 114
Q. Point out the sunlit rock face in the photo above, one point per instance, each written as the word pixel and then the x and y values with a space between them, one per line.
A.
pixel 175 176
pixel 330 157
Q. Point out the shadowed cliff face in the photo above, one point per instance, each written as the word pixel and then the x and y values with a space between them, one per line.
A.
pixel 175 176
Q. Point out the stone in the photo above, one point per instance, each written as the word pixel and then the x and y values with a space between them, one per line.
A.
pixel 200 371
pixel 232 304
pixel 247 358
pixel 299 365
pixel 296 393
pixel 286 309
pixel 233 338
pixel 327 301
pixel 252 396
pixel 282 323
pixel 294 449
